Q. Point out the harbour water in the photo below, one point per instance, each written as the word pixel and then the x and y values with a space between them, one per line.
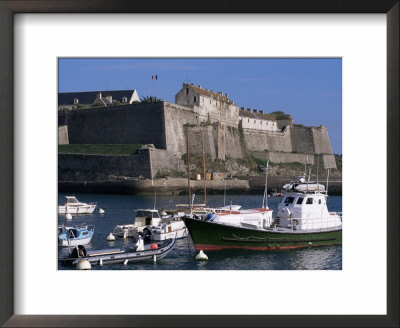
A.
pixel 119 209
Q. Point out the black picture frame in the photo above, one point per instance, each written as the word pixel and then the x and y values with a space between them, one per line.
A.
pixel 10 7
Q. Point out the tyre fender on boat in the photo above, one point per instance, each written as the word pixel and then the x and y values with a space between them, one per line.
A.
pixel 295 222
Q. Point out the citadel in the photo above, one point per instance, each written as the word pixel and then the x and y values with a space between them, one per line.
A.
pixel 118 117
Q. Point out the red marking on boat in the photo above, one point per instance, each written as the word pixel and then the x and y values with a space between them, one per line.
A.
pixel 205 247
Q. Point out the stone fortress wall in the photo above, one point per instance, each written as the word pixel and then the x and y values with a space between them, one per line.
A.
pixel 165 125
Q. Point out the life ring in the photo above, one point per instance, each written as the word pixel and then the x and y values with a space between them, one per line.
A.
pixel 295 222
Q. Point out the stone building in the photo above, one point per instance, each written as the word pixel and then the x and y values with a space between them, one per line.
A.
pixel 74 100
pixel 210 106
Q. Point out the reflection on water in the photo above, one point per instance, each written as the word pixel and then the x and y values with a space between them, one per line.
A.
pixel 119 209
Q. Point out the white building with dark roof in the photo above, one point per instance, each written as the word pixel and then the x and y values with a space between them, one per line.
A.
pixel 74 100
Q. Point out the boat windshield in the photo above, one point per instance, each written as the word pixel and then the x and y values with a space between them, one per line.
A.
pixel 289 200
pixel 72 200
pixel 147 214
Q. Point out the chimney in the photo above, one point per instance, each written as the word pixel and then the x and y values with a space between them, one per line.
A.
pixel 199 86
pixel 220 93
pixel 109 98
pixel 226 95
pixel 260 111
pixel 254 110
pixel 242 108
pixel 248 109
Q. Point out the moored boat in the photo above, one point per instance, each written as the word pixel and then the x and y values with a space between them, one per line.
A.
pixel 136 252
pixel 302 220
pixel 74 206
pixel 169 228
pixel 74 236
pixel 144 217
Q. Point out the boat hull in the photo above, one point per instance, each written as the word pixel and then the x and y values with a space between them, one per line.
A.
pixel 74 242
pixel 177 234
pixel 213 236
pixel 82 209
pixel 113 256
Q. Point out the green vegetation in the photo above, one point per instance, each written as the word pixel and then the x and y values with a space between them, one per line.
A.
pixel 338 159
pixel 279 115
pixel 211 166
pixel 117 103
pixel 118 149
pixel 97 104
pixel 150 99
pixel 82 106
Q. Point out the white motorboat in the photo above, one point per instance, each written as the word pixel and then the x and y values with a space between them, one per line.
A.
pixel 169 228
pixel 73 206
pixel 144 217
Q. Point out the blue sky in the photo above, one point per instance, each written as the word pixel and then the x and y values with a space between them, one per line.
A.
pixel 308 89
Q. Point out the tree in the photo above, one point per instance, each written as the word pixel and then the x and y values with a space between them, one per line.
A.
pixel 150 99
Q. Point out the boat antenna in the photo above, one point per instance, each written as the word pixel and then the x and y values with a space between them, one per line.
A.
pixel 265 198
pixel 188 166
pixel 309 172
pixel 155 198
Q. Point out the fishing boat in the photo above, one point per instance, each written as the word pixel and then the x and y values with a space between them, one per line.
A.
pixel 302 220
pixel 74 206
pixel 74 236
pixel 138 251
pixel 144 217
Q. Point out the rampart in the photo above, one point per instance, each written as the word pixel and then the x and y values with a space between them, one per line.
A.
pixel 164 125
pixel 127 124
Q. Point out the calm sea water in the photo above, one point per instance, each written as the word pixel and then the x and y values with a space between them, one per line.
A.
pixel 119 209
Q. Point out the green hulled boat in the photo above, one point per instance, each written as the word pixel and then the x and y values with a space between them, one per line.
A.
pixel 302 220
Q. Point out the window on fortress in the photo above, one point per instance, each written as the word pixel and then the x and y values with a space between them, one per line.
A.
pixel 248 120
pixel 210 101
pixel 194 99
pixel 187 91
pixel 254 121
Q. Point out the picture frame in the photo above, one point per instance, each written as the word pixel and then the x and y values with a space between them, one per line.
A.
pixel 8 8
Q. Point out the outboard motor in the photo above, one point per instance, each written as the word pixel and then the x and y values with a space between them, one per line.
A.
pixel 79 251
pixel 147 232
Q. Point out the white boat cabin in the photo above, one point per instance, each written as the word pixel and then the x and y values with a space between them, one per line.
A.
pixel 306 211
pixel 147 217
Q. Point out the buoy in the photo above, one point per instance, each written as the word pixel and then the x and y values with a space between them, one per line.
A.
pixel 83 264
pixel 125 262
pixel 201 256
pixel 153 246
pixel 110 237
pixel 101 211
pixel 68 216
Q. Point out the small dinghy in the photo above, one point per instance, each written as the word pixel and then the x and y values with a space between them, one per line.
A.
pixel 138 251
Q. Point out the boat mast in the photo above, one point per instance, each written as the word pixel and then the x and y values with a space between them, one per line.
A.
pixel 265 198
pixel 188 167
pixel 318 173
pixel 327 180
pixel 204 166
